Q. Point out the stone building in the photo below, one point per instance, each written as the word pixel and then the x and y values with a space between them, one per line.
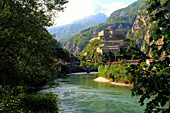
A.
pixel 112 41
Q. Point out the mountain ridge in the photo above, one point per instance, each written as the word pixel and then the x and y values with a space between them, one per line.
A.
pixel 77 43
pixel 69 30
pixel 132 8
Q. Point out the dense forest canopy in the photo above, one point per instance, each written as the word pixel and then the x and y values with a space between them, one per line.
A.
pixel 24 42
pixel 26 54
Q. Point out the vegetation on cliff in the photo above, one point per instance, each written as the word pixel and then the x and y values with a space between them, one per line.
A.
pixel 61 53
pixel 141 30
pixel 154 82
pixel 132 52
pixel 78 42
pixel 89 52
pixel 130 10
pixel 90 49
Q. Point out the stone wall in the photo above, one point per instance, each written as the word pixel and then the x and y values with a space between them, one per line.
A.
pixel 112 41
pixel 98 38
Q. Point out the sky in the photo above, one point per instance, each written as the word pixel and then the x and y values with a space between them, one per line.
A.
pixel 77 9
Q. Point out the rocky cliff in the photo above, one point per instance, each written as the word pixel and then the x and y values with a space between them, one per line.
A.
pixel 142 29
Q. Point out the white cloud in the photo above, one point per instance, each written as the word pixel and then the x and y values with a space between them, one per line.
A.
pixel 109 8
pixel 77 9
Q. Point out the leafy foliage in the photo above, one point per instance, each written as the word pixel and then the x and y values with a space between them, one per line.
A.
pixel 153 82
pixel 16 101
pixel 60 52
pixel 26 51
pixel 132 52
pixel 90 48
pixel 115 72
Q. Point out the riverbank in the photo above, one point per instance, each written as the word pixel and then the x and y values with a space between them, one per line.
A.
pixel 105 80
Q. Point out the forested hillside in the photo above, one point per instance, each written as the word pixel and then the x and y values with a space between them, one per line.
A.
pixel 130 10
pixel 122 19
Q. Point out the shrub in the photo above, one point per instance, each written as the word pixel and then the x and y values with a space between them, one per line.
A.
pixel 16 101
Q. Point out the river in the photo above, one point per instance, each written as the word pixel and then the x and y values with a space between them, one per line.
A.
pixel 78 93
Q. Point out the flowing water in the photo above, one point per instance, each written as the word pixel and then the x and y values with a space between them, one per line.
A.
pixel 78 93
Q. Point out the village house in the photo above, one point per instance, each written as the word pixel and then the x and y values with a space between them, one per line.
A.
pixel 111 63
pixel 148 61
pixel 124 62
pixel 131 61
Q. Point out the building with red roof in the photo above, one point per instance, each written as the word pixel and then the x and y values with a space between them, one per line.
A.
pixel 148 61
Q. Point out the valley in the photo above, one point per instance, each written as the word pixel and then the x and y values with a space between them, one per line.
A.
pixel 103 53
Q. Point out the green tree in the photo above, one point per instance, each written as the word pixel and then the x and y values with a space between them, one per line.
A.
pixel 132 51
pixel 26 54
pixel 154 81
pixel 25 50
pixel 15 100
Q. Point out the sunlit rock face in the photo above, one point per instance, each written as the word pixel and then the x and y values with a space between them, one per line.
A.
pixel 142 29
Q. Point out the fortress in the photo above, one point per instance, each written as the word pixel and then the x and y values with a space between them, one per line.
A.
pixel 112 41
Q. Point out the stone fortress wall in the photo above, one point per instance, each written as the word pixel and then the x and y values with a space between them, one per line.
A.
pixel 112 41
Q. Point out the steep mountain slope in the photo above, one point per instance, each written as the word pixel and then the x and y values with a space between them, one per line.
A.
pixel 117 21
pixel 142 29
pixel 130 10
pixel 69 30
pixel 78 42
pixel 60 53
